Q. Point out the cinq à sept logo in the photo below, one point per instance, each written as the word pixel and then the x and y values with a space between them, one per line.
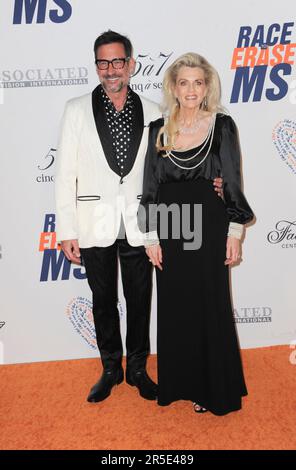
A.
pixel 48 161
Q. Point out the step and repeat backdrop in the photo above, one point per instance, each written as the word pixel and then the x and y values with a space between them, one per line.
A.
pixel 46 58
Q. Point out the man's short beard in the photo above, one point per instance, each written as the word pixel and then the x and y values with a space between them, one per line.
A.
pixel 112 88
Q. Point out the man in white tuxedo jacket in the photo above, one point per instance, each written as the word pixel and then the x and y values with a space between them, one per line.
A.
pixel 99 181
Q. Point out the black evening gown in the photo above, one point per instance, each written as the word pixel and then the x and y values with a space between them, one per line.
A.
pixel 197 346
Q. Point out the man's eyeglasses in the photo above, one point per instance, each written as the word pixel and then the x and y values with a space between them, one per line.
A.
pixel 119 63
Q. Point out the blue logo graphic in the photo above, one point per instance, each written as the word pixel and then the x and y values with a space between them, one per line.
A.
pixel 28 10
pixel 263 60
pixel 55 265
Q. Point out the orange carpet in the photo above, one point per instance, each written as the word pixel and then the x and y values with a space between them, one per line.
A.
pixel 43 406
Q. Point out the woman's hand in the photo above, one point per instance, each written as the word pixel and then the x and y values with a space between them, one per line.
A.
pixel 218 186
pixel 233 251
pixel 154 254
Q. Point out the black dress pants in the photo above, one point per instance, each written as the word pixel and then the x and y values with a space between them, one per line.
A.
pixel 101 265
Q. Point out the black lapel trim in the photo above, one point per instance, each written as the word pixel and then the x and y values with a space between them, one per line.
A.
pixel 137 132
pixel 103 129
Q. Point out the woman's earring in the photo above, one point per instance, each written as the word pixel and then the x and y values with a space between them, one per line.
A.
pixel 205 103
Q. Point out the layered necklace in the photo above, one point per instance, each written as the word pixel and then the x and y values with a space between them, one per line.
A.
pixel 191 129
pixel 208 139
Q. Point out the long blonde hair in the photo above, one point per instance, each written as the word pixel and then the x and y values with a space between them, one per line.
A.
pixel 171 105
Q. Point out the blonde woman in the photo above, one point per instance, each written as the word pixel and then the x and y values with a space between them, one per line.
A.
pixel 198 353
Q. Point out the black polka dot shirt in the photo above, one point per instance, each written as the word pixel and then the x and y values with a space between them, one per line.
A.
pixel 120 126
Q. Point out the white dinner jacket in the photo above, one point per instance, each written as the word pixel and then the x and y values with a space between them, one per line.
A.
pixel 90 196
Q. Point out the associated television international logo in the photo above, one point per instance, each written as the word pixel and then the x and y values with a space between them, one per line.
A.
pixel 27 11
pixel 32 78
pixel 253 315
pixel 55 265
pixel 263 60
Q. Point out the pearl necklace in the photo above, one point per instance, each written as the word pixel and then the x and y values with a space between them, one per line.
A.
pixel 209 137
pixel 190 130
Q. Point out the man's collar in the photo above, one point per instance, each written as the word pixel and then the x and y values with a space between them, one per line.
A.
pixel 128 100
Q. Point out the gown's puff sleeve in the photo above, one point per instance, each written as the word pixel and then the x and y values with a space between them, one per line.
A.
pixel 237 207
pixel 147 213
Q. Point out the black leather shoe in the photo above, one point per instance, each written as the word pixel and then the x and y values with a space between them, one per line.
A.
pixel 103 387
pixel 140 379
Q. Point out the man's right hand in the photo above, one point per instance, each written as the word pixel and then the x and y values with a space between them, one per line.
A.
pixel 154 254
pixel 71 250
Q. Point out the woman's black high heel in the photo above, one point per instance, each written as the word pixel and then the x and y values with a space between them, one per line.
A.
pixel 199 409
